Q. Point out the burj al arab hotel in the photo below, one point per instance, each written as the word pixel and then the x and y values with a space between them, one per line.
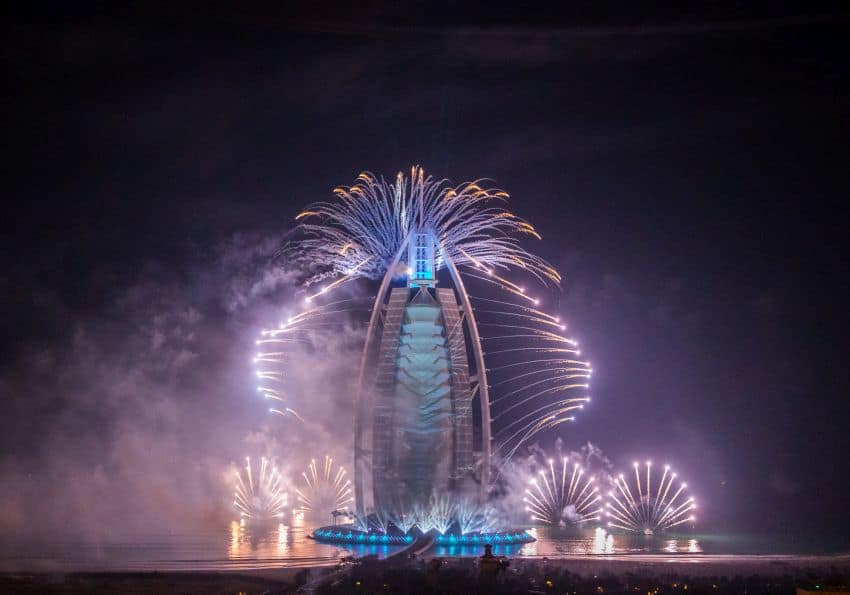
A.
pixel 422 418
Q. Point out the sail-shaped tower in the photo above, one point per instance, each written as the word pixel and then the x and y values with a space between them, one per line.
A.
pixel 415 435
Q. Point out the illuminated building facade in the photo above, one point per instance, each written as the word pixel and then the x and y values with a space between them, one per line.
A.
pixel 415 412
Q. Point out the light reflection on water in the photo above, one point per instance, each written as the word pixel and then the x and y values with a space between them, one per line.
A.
pixel 236 546
pixel 555 541
pixel 279 541
pixel 674 546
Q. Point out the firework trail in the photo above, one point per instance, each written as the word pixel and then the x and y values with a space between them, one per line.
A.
pixel 326 489
pixel 259 492
pixel 438 513
pixel 646 507
pixel 563 493
pixel 474 517
pixel 538 379
pixel 441 512
pixel 359 234
pixel 275 347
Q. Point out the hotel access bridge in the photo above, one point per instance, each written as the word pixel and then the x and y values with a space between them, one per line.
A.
pixel 422 419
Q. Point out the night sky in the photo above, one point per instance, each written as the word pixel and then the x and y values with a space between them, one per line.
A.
pixel 687 171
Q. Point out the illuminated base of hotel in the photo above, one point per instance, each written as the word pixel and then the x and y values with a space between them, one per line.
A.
pixel 340 534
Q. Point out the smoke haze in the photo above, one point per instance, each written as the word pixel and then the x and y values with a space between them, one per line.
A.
pixel 142 407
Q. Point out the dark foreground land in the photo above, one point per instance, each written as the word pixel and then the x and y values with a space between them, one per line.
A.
pixel 576 578
pixel 141 583
pixel 449 576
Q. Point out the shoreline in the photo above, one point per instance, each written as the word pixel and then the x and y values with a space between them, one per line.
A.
pixel 259 566
pixel 609 563
pixel 653 567
pixel 695 565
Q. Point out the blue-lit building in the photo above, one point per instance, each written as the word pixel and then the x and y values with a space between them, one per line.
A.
pixel 415 412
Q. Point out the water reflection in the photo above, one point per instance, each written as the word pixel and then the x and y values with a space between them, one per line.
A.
pixel 277 541
pixel 259 540
pixel 282 539
pixel 603 542
pixel 675 546
pixel 530 549
pixel 553 541
pixel 232 546
pixel 693 546
pixel 273 540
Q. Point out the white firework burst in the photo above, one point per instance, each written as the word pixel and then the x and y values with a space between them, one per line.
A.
pixel 563 494
pixel 260 493
pixel 360 234
pixel 326 489
pixel 646 508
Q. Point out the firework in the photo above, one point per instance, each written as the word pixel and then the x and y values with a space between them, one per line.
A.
pixel 474 517
pixel 308 329
pixel 563 494
pixel 538 381
pixel 360 234
pixel 434 514
pixel 259 492
pixel 645 507
pixel 445 512
pixel 326 489
pixel 363 233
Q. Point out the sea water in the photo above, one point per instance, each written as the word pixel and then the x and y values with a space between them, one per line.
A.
pixel 243 546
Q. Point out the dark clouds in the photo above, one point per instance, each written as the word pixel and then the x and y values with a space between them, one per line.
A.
pixel 684 178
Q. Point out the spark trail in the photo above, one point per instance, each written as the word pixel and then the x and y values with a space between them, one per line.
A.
pixel 538 381
pixel 645 507
pixel 359 234
pixel 563 494
pixel 325 489
pixel 276 346
pixel 259 492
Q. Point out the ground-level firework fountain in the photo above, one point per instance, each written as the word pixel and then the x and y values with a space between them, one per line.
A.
pixel 260 493
pixel 326 489
pixel 641 509
pixel 563 494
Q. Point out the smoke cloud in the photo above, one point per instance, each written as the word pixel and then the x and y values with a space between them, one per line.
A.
pixel 514 477
pixel 130 423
